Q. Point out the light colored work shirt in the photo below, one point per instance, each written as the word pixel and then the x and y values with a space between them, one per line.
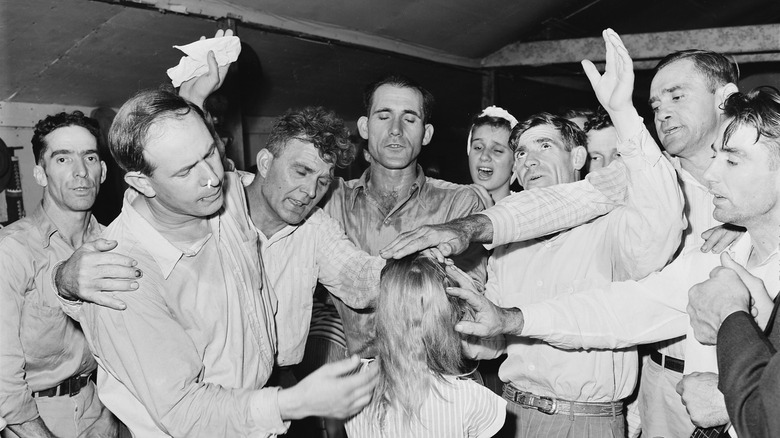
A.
pixel 631 241
pixel 698 211
pixel 629 313
pixel 370 228
pixel 192 351
pixel 40 346
pixel 298 256
pixel 454 408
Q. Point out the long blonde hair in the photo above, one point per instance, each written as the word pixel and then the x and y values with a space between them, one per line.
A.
pixel 416 339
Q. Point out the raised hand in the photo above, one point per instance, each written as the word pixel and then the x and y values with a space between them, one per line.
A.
pixel 197 89
pixel 614 88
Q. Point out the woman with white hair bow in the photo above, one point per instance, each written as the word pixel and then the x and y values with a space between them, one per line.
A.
pixel 491 159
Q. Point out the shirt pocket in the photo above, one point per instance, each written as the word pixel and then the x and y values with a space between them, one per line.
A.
pixel 45 331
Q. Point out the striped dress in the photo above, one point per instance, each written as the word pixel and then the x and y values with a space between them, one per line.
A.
pixel 466 409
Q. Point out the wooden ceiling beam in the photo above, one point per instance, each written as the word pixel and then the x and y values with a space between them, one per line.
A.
pixel 320 32
pixel 745 44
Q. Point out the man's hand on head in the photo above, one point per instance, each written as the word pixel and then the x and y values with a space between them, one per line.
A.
pixel 702 399
pixel 487 319
pixel 93 270
pixel 451 238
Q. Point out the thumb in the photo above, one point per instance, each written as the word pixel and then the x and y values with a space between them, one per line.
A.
pixel 750 281
pixel 591 72
pixel 212 61
pixel 102 244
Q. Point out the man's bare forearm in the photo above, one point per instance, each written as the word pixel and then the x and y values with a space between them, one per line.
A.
pixel 477 227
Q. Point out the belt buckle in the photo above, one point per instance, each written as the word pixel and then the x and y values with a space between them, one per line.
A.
pixel 552 405
pixel 530 401
pixel 74 386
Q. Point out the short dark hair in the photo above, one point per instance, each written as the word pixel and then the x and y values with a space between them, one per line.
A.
pixel 494 122
pixel 316 125
pixel 50 123
pixel 573 113
pixel 571 134
pixel 401 82
pixel 758 109
pixel 598 120
pixel 716 68
pixel 128 134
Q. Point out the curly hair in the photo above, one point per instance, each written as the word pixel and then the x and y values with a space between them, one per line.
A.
pixel 758 109
pixel 415 334
pixel 716 68
pixel 316 125
pixel 400 81
pixel 598 120
pixel 571 134
pixel 50 123
pixel 129 133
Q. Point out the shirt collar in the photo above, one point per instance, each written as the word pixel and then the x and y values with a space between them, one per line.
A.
pixel 161 249
pixel 417 187
pixel 741 249
pixel 47 227
pixel 684 174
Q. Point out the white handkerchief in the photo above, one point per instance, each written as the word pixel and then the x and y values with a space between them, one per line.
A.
pixel 226 50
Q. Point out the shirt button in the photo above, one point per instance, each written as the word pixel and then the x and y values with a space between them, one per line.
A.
pixel 547 245
pixel 531 367
pixel 540 283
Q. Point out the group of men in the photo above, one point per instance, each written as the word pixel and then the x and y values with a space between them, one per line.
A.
pixel 217 269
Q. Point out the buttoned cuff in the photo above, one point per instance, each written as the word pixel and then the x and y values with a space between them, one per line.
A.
pixel 536 320
pixel 264 408
pixel 18 407
pixel 502 220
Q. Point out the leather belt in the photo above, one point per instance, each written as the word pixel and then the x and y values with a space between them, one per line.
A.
pixel 552 406
pixel 668 362
pixel 70 387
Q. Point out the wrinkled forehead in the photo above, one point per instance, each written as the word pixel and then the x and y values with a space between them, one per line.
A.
pixel 302 152
pixel 540 134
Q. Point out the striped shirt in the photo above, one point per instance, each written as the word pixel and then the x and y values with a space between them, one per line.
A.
pixel 463 409
pixel 296 257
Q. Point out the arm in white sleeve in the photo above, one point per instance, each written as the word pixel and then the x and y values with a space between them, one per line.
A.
pixel 542 211
pixel 648 228
pixel 622 315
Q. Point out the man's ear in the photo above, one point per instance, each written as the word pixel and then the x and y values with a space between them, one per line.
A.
pixel 578 157
pixel 428 134
pixel 723 92
pixel 140 182
pixel 362 125
pixel 104 171
pixel 263 161
pixel 40 175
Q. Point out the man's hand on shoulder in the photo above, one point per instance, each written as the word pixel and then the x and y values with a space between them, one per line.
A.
pixel 93 270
